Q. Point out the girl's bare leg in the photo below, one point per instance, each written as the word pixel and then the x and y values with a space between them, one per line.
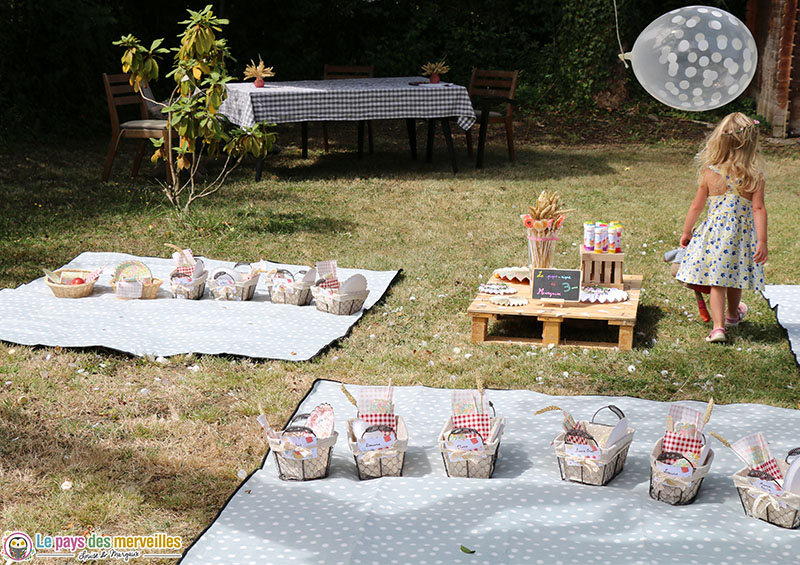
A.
pixel 717 303
pixel 734 298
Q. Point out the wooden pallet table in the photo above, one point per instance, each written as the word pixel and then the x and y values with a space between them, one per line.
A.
pixel 622 314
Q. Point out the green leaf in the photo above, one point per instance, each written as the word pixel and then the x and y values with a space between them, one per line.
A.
pixel 467 550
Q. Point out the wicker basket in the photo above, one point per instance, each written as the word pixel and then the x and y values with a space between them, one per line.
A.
pixel 671 490
pixel 243 290
pixel 782 511
pixel 71 290
pixel 609 461
pixel 297 294
pixel 192 291
pixel 149 290
pixel 340 304
pixel 383 463
pixel 480 467
pixel 303 469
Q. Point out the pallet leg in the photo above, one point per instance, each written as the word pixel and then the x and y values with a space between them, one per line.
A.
pixel 480 329
pixel 625 338
pixel 551 332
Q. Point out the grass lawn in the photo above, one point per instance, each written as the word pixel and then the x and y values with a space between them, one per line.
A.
pixel 156 447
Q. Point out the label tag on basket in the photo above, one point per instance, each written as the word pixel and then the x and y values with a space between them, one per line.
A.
pixel 306 448
pixel 771 487
pixel 587 451
pixel 678 471
pixel 465 444
pixel 376 441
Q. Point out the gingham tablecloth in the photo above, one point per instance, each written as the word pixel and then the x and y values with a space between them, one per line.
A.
pixel 346 100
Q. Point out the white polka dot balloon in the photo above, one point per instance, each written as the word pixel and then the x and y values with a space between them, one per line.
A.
pixel 695 58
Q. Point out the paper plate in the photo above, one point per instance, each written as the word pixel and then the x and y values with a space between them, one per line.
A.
pixel 321 421
pixel 513 274
pixel 132 271
pixel 508 300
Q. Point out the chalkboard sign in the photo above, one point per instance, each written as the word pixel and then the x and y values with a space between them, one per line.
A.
pixel 557 284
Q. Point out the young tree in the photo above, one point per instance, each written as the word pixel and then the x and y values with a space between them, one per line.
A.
pixel 200 76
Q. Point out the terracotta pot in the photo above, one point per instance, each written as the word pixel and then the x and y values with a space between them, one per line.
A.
pixel 434 78
pixel 259 83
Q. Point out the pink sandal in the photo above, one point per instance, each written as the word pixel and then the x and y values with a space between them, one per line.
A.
pixel 717 336
pixel 740 314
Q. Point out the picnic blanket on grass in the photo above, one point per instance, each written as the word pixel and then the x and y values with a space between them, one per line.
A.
pixel 785 300
pixel 31 315
pixel 524 514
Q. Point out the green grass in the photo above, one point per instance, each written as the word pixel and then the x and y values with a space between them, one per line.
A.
pixel 167 459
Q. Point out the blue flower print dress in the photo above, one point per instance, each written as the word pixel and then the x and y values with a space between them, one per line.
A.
pixel 721 250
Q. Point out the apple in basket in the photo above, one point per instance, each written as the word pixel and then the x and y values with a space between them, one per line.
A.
pixel 77 280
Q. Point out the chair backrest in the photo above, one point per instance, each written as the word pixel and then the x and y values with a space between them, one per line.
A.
pixel 494 84
pixel 333 72
pixel 119 92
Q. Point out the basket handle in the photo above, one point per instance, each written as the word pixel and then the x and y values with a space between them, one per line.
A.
pixel 617 412
pixel 575 432
pixel 494 412
pixel 296 429
pixel 761 475
pixel 379 428
pixel 673 455
pixel 182 252
pixel 465 431
pixel 792 452
pixel 300 418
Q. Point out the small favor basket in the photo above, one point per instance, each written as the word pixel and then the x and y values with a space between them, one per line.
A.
pixel 384 462
pixel 603 464
pixel 238 291
pixel 71 290
pixel 285 289
pixel 315 462
pixel 339 304
pixel 149 290
pixel 192 291
pixel 473 465
pixel 674 490
pixel 779 508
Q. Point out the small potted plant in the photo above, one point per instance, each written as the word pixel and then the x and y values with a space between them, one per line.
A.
pixel 433 70
pixel 258 72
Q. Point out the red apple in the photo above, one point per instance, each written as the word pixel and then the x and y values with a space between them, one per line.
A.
pixel 77 280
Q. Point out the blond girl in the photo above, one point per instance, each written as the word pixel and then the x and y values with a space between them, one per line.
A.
pixel 729 248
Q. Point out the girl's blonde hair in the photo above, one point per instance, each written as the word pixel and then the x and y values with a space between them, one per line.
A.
pixel 734 147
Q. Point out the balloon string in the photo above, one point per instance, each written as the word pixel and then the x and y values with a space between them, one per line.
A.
pixel 619 41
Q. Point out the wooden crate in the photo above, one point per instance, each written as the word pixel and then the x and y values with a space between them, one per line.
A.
pixel 602 269
pixel 622 314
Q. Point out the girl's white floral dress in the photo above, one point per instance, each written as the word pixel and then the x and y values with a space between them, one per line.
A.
pixel 722 247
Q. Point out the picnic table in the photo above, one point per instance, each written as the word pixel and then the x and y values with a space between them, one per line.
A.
pixel 358 100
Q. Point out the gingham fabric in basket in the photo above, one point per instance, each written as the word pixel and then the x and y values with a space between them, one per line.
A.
pixel 380 419
pixel 478 422
pixel 345 100
pixel 684 444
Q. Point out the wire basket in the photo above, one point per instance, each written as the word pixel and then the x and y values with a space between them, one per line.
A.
pixel 609 461
pixel 339 304
pixel 71 290
pixel 239 291
pixel 315 466
pixel 149 290
pixel 297 293
pixel 192 291
pixel 782 511
pixel 480 465
pixel 380 463
pixel 674 490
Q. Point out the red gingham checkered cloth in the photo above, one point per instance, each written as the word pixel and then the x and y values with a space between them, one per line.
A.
pixel 770 467
pixel 687 445
pixel 185 262
pixel 380 419
pixel 580 440
pixel 326 270
pixel 479 422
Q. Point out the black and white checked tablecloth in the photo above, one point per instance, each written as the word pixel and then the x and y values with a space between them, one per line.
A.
pixel 346 100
